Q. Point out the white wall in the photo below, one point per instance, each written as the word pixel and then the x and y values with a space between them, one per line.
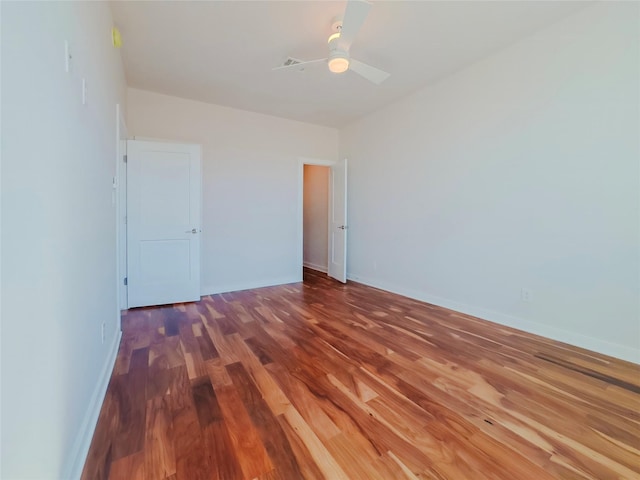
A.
pixel 519 171
pixel 316 216
pixel 58 232
pixel 250 184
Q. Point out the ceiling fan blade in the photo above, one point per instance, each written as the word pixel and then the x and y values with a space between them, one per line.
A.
pixel 373 74
pixel 297 63
pixel 354 16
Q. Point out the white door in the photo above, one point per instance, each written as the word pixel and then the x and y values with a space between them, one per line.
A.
pixel 121 207
pixel 338 222
pixel 163 223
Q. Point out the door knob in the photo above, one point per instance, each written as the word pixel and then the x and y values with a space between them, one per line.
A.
pixel 343 227
pixel 193 230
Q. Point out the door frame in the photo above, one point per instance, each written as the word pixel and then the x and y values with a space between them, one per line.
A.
pixel 302 161
pixel 121 212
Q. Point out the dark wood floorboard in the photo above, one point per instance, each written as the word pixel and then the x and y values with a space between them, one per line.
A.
pixel 320 380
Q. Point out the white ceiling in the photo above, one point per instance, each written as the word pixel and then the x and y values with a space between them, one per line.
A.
pixel 222 52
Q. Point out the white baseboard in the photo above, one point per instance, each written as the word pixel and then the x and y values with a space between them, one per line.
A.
pixel 235 287
pixel 577 339
pixel 81 446
pixel 316 267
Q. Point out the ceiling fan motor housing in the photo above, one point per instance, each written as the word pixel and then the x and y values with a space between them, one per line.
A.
pixel 338 58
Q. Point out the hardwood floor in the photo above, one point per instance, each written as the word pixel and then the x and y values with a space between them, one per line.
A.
pixel 321 380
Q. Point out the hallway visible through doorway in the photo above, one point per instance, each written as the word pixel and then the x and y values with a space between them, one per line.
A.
pixel 316 217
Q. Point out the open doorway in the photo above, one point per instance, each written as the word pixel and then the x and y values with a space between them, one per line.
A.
pixel 315 217
pixel 336 207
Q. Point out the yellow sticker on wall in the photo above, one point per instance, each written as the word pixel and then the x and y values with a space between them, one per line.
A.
pixel 116 38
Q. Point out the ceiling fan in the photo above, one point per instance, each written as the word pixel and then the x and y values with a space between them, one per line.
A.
pixel 344 31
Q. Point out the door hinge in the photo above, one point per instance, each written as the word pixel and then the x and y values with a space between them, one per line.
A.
pixel 125 280
pixel 124 158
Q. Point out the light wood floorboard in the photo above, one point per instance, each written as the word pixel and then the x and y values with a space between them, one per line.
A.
pixel 320 380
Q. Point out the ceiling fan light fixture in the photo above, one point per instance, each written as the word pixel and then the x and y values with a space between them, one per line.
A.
pixel 338 64
pixel 339 43
pixel 333 37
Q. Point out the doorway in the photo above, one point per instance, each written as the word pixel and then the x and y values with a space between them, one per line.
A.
pixel 315 217
pixel 336 216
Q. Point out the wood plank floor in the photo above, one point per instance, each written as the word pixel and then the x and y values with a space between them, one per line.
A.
pixel 322 380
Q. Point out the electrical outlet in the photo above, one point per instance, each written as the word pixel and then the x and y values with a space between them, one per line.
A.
pixel 526 295
pixel 102 332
